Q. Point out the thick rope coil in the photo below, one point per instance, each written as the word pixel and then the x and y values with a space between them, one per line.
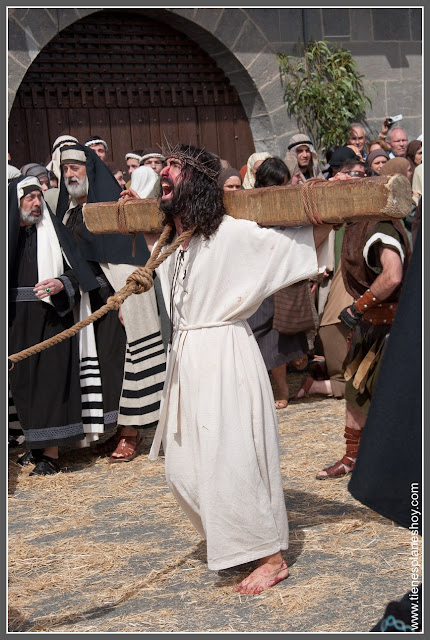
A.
pixel 309 203
pixel 139 281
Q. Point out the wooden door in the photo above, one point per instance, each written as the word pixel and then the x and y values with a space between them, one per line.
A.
pixel 133 82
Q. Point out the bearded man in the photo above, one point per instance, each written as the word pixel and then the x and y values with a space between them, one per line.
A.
pixel 302 159
pixel 98 145
pixel 46 274
pixel 114 258
pixel 218 420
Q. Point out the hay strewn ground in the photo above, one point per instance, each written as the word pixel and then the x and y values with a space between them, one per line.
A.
pixel 106 548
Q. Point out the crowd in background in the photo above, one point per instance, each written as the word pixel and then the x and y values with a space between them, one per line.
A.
pixel 297 328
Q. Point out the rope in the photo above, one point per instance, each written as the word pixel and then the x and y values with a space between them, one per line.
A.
pixel 139 281
pixel 309 203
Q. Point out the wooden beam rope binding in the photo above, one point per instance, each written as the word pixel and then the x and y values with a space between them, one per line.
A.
pixel 316 202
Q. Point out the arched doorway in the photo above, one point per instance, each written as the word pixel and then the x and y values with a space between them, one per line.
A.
pixel 132 81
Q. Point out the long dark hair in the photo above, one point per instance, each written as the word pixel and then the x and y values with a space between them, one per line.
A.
pixel 272 172
pixel 197 198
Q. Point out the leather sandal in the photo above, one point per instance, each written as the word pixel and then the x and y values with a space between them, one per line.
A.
pixel 309 380
pixel 128 447
pixel 283 402
pixel 338 469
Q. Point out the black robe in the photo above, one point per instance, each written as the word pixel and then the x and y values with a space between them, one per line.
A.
pixel 45 387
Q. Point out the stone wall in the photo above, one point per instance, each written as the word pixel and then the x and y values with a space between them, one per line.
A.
pixel 386 44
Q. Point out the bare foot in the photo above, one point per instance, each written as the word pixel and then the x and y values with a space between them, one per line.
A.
pixel 281 404
pixel 270 571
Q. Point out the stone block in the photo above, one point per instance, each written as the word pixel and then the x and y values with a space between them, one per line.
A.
pixel 291 25
pixel 229 26
pixel 228 62
pixel 207 18
pixel 336 23
pixel 404 97
pixel 414 127
pixel 391 24
pixel 376 91
pixel 242 82
pixel 377 60
pixel 267 144
pixel 264 68
pixel 40 23
pixel 313 19
pixel 16 73
pixel 249 44
pixel 261 128
pixel 416 23
pixel 253 105
pixel 66 17
pixel 273 95
pixel 267 21
pixel 412 53
pixel 361 24
pixel 185 13
pixel 21 45
pixel 281 123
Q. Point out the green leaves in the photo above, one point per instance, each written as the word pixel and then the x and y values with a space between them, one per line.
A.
pixel 324 91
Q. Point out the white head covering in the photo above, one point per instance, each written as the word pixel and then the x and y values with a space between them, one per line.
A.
pixel 143 181
pixel 249 179
pixel 54 165
pixel 49 252
pixel 299 140
pixel 12 172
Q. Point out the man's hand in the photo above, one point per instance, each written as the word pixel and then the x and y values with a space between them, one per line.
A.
pixel 130 194
pixel 350 316
pixel 49 287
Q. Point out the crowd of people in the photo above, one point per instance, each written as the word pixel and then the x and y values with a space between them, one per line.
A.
pixel 180 356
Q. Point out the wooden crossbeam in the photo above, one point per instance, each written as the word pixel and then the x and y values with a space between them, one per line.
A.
pixel 332 202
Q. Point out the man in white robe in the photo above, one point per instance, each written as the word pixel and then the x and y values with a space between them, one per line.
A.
pixel 218 423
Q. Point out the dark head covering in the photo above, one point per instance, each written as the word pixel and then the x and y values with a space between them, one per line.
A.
pixel 34 169
pixel 341 155
pixel 79 265
pixel 395 165
pixel 375 154
pixel 225 174
pixel 411 150
pixel 103 187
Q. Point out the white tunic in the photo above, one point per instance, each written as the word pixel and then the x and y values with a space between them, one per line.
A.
pixel 218 421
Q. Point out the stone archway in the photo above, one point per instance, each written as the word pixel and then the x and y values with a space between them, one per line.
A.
pixel 231 37
pixel 132 81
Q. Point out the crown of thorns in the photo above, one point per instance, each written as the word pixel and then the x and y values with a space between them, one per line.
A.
pixel 187 157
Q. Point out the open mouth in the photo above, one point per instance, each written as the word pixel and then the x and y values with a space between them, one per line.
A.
pixel 167 188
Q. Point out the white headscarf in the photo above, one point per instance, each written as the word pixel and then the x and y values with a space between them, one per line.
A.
pixel 49 252
pixel 249 179
pixel 299 140
pixel 12 172
pixel 143 181
pixel 60 142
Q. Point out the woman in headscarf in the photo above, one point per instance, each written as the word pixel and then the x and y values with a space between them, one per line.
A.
pixel 376 160
pixel 300 172
pixel 229 179
pixel 414 153
pixel 254 161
